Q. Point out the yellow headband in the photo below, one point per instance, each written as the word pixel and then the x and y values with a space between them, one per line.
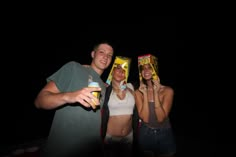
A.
pixel 125 64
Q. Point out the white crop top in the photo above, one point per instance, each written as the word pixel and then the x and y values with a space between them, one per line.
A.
pixel 122 107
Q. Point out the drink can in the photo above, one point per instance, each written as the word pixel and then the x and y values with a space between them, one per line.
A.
pixel 95 84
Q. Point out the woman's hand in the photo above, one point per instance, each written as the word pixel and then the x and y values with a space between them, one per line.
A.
pixel 143 88
pixel 156 85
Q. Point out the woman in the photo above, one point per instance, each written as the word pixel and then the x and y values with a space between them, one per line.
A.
pixel 118 122
pixel 154 102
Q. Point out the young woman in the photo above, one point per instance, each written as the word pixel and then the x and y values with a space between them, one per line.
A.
pixel 118 122
pixel 154 102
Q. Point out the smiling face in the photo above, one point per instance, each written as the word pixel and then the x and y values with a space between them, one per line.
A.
pixel 118 73
pixel 146 71
pixel 102 57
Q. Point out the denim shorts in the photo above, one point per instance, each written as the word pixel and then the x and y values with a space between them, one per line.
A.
pixel 160 141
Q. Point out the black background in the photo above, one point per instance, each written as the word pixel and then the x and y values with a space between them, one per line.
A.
pixel 38 51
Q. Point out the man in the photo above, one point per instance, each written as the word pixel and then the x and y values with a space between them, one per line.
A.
pixel 75 128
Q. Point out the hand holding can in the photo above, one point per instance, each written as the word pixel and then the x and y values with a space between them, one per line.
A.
pixel 95 93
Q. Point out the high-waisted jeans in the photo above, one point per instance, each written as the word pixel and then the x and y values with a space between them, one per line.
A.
pixel 159 141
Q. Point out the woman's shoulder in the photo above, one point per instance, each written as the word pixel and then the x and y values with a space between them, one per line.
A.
pixel 167 89
pixel 137 92
pixel 130 85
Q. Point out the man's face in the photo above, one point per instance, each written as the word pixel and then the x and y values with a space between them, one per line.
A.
pixel 102 56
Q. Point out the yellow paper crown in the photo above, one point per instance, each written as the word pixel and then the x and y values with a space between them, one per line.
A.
pixel 148 59
pixel 125 64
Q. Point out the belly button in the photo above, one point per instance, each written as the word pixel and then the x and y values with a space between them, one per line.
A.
pixel 123 131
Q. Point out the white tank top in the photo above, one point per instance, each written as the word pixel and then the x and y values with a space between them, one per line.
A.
pixel 122 107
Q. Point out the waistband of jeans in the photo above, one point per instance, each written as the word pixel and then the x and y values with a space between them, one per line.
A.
pixel 150 127
pixel 120 137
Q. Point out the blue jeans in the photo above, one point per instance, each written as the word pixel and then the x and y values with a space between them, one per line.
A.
pixel 160 141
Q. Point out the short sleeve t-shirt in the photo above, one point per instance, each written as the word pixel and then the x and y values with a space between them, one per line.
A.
pixel 75 129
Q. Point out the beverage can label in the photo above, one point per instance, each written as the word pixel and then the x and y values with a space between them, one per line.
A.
pixel 95 84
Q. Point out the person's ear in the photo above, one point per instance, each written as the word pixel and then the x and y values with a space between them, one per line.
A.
pixel 92 54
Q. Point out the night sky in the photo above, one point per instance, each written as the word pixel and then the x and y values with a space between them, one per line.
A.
pixel 34 58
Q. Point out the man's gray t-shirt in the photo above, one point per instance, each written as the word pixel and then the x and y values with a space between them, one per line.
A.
pixel 75 129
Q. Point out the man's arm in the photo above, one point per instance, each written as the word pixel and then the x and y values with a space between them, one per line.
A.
pixel 50 97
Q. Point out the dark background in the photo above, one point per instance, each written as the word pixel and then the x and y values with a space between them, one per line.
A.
pixel 32 59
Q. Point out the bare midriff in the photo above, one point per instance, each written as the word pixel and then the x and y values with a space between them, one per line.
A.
pixel 120 125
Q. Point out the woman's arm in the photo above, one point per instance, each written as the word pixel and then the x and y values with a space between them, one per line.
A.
pixel 141 101
pixel 163 97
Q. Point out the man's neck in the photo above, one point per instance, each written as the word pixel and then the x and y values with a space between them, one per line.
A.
pixel 99 71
